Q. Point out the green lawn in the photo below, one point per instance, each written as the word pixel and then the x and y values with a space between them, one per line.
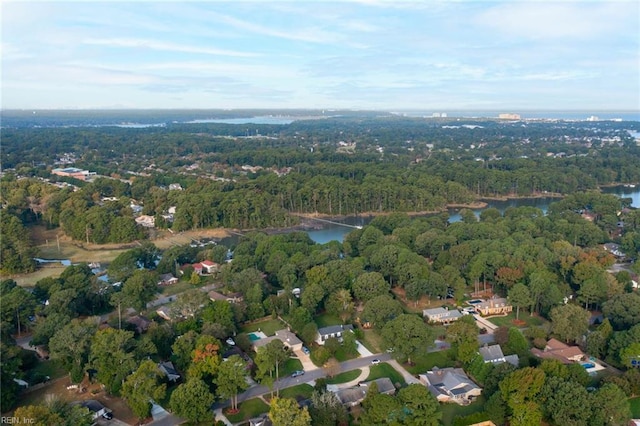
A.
pixel 345 377
pixel 635 407
pixel 428 360
pixel 326 320
pixel 50 367
pixel 342 356
pixel 372 341
pixel 524 316
pixel 303 391
pixel 452 410
pixel 290 365
pixel 248 410
pixel 176 288
pixel 268 327
pixel 385 370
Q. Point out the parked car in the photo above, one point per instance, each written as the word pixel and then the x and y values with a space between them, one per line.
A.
pixel 305 350
pixel 297 373
pixel 375 361
pixel 230 342
pixel 108 415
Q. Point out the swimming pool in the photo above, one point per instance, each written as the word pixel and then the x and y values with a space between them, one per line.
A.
pixel 253 337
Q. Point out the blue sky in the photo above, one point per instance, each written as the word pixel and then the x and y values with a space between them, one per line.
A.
pixel 367 54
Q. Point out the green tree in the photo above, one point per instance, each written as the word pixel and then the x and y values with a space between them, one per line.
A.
pixel 519 296
pixel 463 335
pixel 193 400
pixel 327 410
pixel 423 407
pixel 269 359
pixel 380 408
pixel 140 288
pixel 609 406
pixel 182 349
pixel 566 403
pixel 569 322
pixel 517 343
pixel 141 386
pixel 370 285
pixel 408 335
pixel 380 310
pixel 231 379
pixel 113 358
pixel 285 412
pixel 341 304
pixel 205 358
pixel 71 345
pixel 623 310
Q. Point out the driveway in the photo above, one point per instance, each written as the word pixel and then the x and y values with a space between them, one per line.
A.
pixel 307 364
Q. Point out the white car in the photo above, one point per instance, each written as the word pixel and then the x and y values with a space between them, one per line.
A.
pixel 375 361
pixel 230 342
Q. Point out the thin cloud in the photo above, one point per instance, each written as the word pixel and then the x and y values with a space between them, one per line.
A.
pixel 165 46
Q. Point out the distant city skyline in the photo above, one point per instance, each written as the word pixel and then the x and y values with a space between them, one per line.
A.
pixel 364 54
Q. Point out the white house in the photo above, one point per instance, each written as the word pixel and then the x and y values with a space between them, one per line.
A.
pixel 493 354
pixel 336 331
pixel 441 315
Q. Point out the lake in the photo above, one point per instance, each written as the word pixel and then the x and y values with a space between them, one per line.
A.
pixel 335 232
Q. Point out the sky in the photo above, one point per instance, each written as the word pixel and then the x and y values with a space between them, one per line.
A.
pixel 366 54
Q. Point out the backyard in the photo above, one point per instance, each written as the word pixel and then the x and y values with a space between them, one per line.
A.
pixel 268 326
pixel 248 410
pixel 509 320
pixel 452 410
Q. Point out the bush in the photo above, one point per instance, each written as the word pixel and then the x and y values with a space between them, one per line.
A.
pixel 320 356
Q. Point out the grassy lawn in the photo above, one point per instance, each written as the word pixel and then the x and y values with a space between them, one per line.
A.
pixel 524 316
pixel 326 320
pixel 302 391
pixel 426 362
pixel 385 370
pixel 341 355
pixel 268 327
pixel 345 377
pixel 372 341
pixel 49 368
pixel 291 365
pixel 176 288
pixel 452 410
pixel 248 410
pixel 635 407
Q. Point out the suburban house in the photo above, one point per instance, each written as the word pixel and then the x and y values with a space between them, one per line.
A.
pixel 288 338
pixel 262 420
pixel 564 353
pixel 336 331
pixel 353 396
pixel 167 279
pixel 74 173
pixel 165 312
pixel 497 306
pixel 140 323
pixel 95 407
pixel 146 221
pixel 451 385
pixel 493 354
pixel 441 315
pixel 198 268
pixel 169 371
pixel 210 267
pixel 231 297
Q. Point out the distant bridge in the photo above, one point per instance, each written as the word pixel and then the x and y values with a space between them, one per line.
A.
pixel 333 223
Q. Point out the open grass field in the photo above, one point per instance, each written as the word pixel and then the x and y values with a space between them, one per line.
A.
pixel 427 361
pixel 248 409
pixel 635 407
pixel 372 341
pixel 508 320
pixel 345 377
pixel 268 326
pixel 385 370
pixel 452 410
pixel 302 391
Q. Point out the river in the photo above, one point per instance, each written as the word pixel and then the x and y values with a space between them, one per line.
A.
pixel 335 232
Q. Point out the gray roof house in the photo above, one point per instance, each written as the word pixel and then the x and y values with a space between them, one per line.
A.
pixel 169 370
pixel 355 395
pixel 451 385
pixel 336 331
pixel 95 407
pixel 441 315
pixel 493 354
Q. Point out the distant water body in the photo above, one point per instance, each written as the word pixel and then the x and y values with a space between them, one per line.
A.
pixel 249 120
pixel 534 114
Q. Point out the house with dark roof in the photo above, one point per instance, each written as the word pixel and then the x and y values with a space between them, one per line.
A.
pixel 95 407
pixel 353 396
pixel 493 354
pixel 441 315
pixel 167 279
pixel 335 331
pixel 451 385
pixel 140 323
pixel 169 371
